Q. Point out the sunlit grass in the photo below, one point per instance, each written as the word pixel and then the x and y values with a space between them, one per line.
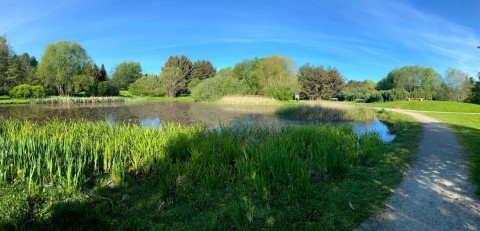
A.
pixel 427 105
pixel 7 100
pixel 191 177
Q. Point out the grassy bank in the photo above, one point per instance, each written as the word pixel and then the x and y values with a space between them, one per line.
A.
pixel 325 112
pixel 92 175
pixel 4 100
pixel 467 128
pixel 441 106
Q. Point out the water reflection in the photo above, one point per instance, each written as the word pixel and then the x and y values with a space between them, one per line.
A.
pixel 153 114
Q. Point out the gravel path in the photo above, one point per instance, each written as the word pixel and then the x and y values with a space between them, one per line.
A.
pixel 435 193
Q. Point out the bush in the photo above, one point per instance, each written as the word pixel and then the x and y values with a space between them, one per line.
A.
pixel 147 86
pixel 27 91
pixel 38 91
pixel 215 88
pixel 107 88
pixel 420 93
pixel 375 97
pixel 395 94
pixel 281 93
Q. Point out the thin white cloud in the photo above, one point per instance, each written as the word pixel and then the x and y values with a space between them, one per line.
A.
pixel 441 42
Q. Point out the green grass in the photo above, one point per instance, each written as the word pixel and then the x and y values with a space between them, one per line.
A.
pixel 325 112
pixel 190 177
pixel 467 128
pixel 443 106
pixel 128 94
pixel 7 100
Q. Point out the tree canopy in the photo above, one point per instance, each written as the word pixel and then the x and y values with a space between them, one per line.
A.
pixel 126 73
pixel 320 83
pixel 60 64
pixel 458 84
pixel 186 67
pixel 412 79
pixel 203 69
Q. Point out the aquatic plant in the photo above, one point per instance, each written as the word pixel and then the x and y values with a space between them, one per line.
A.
pixel 325 112
pixel 76 100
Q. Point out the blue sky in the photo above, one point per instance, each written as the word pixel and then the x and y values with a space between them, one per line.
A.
pixel 363 39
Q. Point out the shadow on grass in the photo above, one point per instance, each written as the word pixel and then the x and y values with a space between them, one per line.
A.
pixel 201 185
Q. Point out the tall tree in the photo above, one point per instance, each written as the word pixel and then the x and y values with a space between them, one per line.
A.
pixel 412 78
pixel 318 83
pixel 61 62
pixel 185 66
pixel 459 85
pixel 274 73
pixel 6 55
pixel 203 69
pixel 126 73
pixel 102 74
pixel 244 71
pixel 172 80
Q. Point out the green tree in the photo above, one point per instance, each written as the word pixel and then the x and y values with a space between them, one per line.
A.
pixel 203 69
pixel 60 64
pixel 102 74
pixel 173 81
pixel 226 73
pixel 6 54
pixel 459 85
pixel 318 83
pixel 359 90
pixel 411 79
pixel 186 67
pixel 274 74
pixel 107 88
pixel 126 73
pixel 245 72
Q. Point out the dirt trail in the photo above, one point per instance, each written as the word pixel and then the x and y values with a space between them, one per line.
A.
pixel 435 193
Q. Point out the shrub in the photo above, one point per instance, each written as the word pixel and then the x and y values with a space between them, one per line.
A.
pixel 395 94
pixel 375 97
pixel 38 91
pixel 281 93
pixel 147 86
pixel 27 91
pixel 215 88
pixel 107 88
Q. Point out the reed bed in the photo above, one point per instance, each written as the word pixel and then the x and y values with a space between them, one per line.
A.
pixel 326 112
pixel 185 163
pixel 249 100
pixel 69 154
pixel 78 100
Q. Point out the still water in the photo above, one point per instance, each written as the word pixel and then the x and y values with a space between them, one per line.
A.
pixel 153 114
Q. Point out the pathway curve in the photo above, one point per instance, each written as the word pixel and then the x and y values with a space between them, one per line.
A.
pixel 435 193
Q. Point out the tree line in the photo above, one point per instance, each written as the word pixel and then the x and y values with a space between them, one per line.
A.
pixel 67 69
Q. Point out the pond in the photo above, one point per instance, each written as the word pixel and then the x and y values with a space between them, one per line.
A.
pixel 153 114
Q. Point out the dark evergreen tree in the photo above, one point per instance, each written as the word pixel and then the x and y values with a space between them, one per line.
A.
pixel 102 74
pixel 186 67
pixel 203 69
pixel 318 83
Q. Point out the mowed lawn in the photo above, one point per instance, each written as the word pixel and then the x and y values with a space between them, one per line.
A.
pixel 440 106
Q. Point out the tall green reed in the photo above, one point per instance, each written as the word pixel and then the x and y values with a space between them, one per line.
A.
pixel 70 155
